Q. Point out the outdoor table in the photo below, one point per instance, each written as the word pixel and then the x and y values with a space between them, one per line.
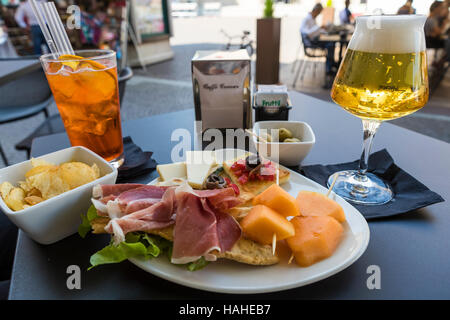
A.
pixel 411 250
pixel 11 69
pixel 342 40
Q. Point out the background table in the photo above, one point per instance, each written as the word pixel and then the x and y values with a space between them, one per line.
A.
pixel 337 38
pixel 412 250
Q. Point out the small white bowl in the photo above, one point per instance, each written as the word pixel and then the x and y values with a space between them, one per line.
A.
pixel 289 153
pixel 56 218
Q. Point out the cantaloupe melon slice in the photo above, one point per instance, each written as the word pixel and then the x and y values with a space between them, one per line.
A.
pixel 279 200
pixel 316 204
pixel 262 222
pixel 315 238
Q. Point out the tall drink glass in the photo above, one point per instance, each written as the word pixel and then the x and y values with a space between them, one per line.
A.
pixel 85 90
pixel 383 76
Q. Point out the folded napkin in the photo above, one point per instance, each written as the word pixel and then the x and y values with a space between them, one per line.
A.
pixel 137 162
pixel 409 194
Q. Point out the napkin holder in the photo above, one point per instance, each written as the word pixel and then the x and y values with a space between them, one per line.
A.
pixel 221 88
pixel 271 104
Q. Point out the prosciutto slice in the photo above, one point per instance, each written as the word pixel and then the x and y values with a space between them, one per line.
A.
pixel 201 223
pixel 104 190
pixel 157 216
pixel 201 226
pixel 126 199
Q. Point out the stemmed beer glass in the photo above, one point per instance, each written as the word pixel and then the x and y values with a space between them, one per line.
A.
pixel 383 76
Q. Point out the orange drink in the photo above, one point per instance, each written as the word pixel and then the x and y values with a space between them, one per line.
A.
pixel 85 90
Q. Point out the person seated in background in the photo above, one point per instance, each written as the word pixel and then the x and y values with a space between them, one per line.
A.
pixel 407 8
pixel 310 33
pixel 345 15
pixel 444 17
pixel 435 27
pixel 26 19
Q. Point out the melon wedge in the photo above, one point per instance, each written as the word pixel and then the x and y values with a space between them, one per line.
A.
pixel 262 222
pixel 315 239
pixel 316 204
pixel 279 200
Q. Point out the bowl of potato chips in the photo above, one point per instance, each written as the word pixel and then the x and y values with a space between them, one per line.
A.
pixel 46 196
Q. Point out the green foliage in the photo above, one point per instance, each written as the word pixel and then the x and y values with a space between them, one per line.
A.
pixel 136 245
pixel 268 9
pixel 86 219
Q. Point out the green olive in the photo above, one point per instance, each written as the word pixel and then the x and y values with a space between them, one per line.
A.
pixel 291 140
pixel 284 134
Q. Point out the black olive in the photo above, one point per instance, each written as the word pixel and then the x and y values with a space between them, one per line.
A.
pixel 252 161
pixel 215 181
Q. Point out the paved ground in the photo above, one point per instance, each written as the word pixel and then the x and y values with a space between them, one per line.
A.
pixel 166 86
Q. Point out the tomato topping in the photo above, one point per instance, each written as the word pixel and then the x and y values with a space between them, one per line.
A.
pixel 235 188
pixel 267 172
pixel 243 179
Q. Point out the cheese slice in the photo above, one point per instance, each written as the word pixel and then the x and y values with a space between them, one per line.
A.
pixel 171 171
pixel 199 165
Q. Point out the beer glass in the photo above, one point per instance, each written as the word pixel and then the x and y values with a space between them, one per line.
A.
pixel 383 76
pixel 85 90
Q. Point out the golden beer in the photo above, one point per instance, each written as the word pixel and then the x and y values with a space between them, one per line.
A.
pixel 381 86
pixel 383 76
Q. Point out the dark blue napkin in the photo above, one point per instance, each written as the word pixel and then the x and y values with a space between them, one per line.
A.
pixel 137 162
pixel 409 193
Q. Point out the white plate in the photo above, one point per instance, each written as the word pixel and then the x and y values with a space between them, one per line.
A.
pixel 232 277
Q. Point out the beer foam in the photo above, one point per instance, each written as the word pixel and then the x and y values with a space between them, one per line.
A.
pixel 389 34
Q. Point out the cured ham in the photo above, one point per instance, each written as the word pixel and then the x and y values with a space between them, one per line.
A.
pixel 104 190
pixel 125 199
pixel 201 226
pixel 201 223
pixel 157 216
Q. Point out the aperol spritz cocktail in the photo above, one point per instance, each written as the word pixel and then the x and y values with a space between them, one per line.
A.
pixel 85 90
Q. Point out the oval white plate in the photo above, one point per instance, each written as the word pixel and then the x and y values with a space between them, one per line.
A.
pixel 232 277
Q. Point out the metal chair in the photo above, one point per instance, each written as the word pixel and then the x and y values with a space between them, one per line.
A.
pixel 22 98
pixel 311 51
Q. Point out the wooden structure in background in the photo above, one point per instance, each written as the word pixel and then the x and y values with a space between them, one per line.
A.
pixel 268 50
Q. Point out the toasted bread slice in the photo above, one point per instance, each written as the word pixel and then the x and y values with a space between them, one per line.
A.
pixel 254 187
pixel 241 211
pixel 244 251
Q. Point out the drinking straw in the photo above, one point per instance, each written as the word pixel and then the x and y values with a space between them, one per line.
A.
pixel 52 28
pixel 43 26
pixel 63 33
pixel 52 25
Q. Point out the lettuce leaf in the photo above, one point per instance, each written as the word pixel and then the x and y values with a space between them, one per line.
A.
pixel 191 266
pixel 85 226
pixel 116 254
pixel 197 265
pixel 136 245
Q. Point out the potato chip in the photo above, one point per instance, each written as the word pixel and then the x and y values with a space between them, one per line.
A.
pixel 49 183
pixel 15 199
pixel 39 169
pixel 33 192
pixel 46 180
pixel 76 174
pixel 40 162
pixel 32 200
pixel 96 170
pixel 5 189
pixel 26 187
